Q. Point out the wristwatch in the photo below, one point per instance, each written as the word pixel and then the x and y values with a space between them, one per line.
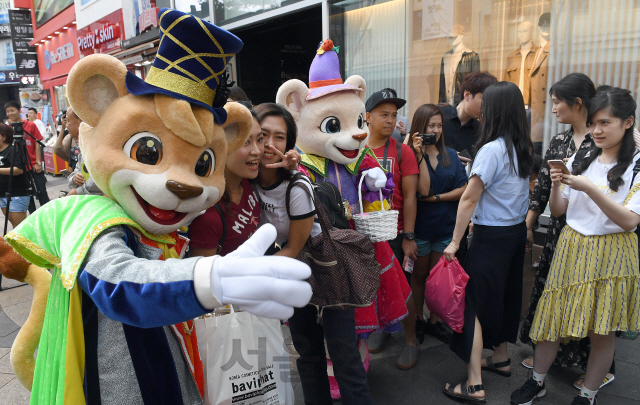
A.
pixel 409 235
pixel 437 197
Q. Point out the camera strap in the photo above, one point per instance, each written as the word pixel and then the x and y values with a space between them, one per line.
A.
pixel 386 152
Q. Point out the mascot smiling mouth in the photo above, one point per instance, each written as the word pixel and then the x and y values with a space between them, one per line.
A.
pixel 349 154
pixel 160 216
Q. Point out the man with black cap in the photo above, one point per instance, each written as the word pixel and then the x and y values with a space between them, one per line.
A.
pixel 382 111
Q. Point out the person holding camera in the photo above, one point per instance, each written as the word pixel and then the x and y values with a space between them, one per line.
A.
pixel 441 182
pixel 31 136
pixel 19 183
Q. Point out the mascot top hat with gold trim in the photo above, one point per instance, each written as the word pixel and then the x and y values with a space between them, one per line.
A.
pixel 190 63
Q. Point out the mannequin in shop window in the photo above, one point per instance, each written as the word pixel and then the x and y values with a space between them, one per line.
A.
pixel 538 83
pixel 520 61
pixel 456 64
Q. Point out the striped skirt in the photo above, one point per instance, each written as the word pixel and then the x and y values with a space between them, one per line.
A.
pixel 593 285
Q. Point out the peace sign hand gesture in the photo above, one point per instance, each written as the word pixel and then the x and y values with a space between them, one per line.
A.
pixel 289 160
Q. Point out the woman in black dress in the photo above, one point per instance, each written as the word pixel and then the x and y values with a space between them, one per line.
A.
pixel 571 97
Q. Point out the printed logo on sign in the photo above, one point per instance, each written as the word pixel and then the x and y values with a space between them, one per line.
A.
pixel 27 64
pixel 2 77
pixel 47 59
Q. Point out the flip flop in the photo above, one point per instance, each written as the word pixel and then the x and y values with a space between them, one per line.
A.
pixel 493 367
pixel 606 381
pixel 527 365
pixel 464 392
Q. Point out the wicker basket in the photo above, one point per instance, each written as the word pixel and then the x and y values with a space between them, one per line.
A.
pixel 380 226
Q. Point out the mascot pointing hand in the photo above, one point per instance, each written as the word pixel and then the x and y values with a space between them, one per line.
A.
pixel 118 326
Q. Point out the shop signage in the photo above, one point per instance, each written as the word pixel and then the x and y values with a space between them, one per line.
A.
pixel 148 36
pixel 132 59
pixel 5 28
pixel 22 45
pixel 148 17
pixel 62 53
pixel 57 55
pixel 21 34
pixel 28 79
pixel 101 36
pixel 437 18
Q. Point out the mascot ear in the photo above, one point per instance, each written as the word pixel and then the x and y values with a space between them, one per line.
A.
pixel 293 96
pixel 238 126
pixel 93 84
pixel 358 81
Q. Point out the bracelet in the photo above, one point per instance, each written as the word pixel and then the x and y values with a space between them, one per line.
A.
pixel 456 247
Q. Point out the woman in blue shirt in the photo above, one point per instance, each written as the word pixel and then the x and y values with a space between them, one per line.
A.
pixel 441 182
pixel 496 202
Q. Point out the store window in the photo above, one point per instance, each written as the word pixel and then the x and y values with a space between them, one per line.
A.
pixel 424 48
pixel 199 8
pixel 228 11
pixel 61 99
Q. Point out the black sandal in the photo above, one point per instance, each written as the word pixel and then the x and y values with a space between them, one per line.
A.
pixel 464 392
pixel 493 367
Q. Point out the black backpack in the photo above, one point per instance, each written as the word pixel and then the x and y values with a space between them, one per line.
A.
pixel 332 202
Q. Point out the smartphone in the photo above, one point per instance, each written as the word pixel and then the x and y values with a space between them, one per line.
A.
pixel 559 164
pixel 408 265
pixel 428 139
pixel 465 153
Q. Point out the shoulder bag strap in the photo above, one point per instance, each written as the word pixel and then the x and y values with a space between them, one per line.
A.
pixel 386 152
pixel 224 226
pixel 323 218
pixel 399 151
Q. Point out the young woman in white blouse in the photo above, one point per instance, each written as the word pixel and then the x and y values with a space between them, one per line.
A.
pixel 593 286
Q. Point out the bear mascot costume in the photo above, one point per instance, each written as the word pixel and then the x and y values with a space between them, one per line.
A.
pixel 332 135
pixel 117 320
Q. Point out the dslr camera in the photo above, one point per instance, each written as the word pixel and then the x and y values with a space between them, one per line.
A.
pixel 18 130
pixel 428 139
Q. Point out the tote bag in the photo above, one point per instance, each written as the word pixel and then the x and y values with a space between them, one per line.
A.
pixel 245 360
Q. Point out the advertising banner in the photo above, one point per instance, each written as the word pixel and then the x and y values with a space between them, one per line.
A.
pixel 47 9
pixel 8 72
pixel 437 18
pixel 138 16
pixel 102 36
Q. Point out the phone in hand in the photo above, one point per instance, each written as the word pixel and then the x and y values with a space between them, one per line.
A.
pixel 559 164
pixel 428 139
pixel 465 153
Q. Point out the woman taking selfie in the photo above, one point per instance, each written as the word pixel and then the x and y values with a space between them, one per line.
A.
pixel 496 202
pixel 19 183
pixel 592 288
pixel 441 182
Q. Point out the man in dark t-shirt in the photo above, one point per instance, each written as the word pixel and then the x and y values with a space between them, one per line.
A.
pixel 460 126
pixel 460 123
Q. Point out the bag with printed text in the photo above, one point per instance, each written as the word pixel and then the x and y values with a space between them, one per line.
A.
pixel 245 360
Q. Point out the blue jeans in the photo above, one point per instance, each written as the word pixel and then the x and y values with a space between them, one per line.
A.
pixel 340 332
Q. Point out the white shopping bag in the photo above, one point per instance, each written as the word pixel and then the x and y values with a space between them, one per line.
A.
pixel 245 360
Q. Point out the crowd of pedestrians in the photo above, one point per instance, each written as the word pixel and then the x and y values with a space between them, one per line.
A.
pixel 467 186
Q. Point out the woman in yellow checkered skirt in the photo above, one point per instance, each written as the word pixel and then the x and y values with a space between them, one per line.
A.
pixel 593 287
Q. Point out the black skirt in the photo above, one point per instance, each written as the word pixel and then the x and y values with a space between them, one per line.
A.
pixel 494 292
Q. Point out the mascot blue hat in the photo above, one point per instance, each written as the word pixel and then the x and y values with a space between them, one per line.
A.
pixel 190 64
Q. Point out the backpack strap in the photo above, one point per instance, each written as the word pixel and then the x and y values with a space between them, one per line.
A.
pixel 399 152
pixel 224 226
pixel 295 179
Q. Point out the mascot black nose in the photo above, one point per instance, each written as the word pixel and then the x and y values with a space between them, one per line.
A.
pixel 184 191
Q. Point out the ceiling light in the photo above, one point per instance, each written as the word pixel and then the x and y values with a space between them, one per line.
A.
pixel 57 32
pixel 146 62
pixel 73 22
pixel 66 28
pixel 50 36
pixel 137 64
pixel 42 40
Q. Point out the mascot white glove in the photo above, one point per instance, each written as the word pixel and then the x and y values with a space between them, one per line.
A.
pixel 268 286
pixel 376 179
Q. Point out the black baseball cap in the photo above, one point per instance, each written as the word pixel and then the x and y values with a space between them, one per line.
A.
pixel 382 97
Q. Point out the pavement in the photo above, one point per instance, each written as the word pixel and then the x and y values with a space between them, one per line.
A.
pixel 389 385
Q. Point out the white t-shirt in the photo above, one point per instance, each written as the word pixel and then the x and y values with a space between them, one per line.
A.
pixel 274 211
pixel 583 215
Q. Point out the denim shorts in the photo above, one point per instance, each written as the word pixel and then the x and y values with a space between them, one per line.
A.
pixel 18 204
pixel 426 246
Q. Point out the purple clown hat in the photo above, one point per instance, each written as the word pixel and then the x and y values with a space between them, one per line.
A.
pixel 324 74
